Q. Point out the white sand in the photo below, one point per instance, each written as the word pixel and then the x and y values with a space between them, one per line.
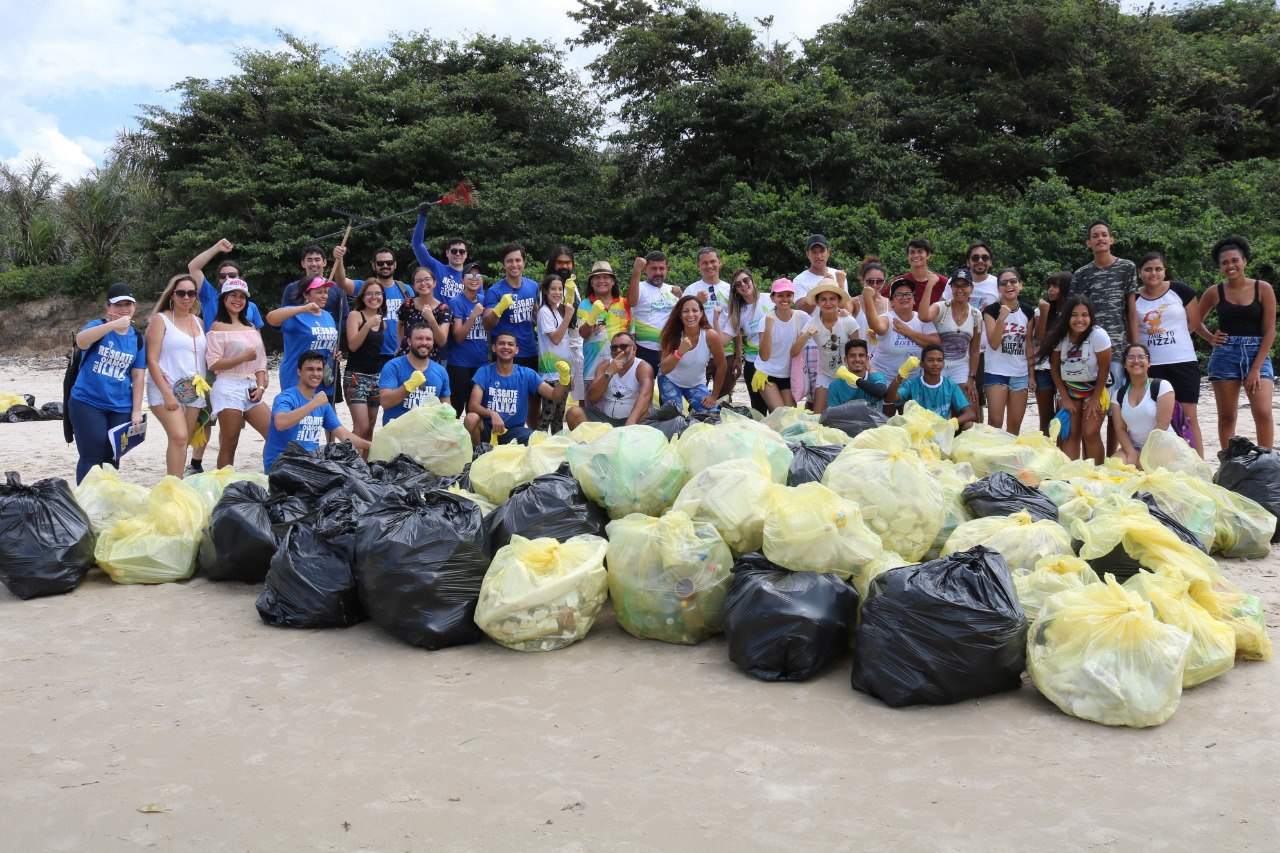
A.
pixel 253 737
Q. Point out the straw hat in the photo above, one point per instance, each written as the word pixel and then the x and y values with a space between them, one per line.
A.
pixel 602 268
pixel 828 285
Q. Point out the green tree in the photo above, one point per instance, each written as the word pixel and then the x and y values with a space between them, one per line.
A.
pixel 31 233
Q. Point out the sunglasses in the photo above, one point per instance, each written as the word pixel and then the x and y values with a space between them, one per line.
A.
pixel 1009 281
pixel 744 281
pixel 619 347
pixel 473 275
pixel 457 251
pixel 874 282
pixel 979 257
pixel 223 275
pixel 384 263
pixel 185 294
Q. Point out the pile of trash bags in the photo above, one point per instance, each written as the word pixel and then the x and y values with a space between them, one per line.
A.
pixel 431 434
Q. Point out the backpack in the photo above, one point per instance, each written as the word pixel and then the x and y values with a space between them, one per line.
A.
pixel 74 359
pixel 1179 424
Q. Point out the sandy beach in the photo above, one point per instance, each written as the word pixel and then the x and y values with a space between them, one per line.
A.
pixel 241 736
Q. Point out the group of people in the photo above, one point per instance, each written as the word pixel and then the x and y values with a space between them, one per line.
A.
pixel 513 356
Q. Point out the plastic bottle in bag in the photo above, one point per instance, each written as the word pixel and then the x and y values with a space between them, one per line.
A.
pixel 431 434
pixel 629 469
pixel 1213 643
pixel 1022 541
pixel 1050 575
pixel 813 529
pixel 733 497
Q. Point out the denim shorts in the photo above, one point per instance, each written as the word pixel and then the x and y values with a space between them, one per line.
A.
pixel 671 392
pixel 1232 361
pixel 1044 380
pixel 1021 382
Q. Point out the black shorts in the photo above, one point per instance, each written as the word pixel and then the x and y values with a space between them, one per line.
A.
pixel 1183 376
pixel 649 357
pixel 781 384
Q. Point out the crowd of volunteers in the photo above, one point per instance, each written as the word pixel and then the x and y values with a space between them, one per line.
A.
pixel 1111 343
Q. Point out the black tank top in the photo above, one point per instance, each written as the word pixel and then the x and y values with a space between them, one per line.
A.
pixel 368 358
pixel 1239 320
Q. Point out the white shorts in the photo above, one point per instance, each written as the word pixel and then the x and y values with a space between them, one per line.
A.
pixel 822 380
pixel 957 373
pixel 232 392
pixel 156 399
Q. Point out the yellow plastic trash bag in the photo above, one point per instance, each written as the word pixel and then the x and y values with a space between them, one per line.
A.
pixel 952 479
pixel 107 499
pixel 485 506
pixel 733 497
pixel 1172 453
pixel 862 578
pixel 629 469
pixel 812 529
pixel 1242 613
pixel 1030 457
pixel 1127 524
pixel 1213 643
pixel 211 484
pixel 1050 575
pixel 787 416
pixel 667 577
pixel 1242 527
pixel 1110 476
pixel 900 500
pixel 494 474
pixel 540 595
pixel 891 439
pixel 926 427
pixel 1184 497
pixel 1099 653
pixel 431 434
pixel 7 401
pixel 703 445
pixel 586 432
pixel 160 545
pixel 1021 541
pixel 1075 499
pixel 814 435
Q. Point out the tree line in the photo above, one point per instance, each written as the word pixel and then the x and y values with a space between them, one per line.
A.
pixel 1013 121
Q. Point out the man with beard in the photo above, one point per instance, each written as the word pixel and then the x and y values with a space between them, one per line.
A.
pixel 980 258
pixel 406 381
pixel 651 300
pixel 620 392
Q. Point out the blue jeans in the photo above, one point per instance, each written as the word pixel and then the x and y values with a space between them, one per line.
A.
pixel 1232 361
pixel 90 425
pixel 671 392
pixel 1021 382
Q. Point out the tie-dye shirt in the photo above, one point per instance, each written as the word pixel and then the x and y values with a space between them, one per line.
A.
pixel 596 347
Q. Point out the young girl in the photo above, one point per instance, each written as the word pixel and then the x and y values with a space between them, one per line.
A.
pixel 781 328
pixel 747 311
pixel 1163 314
pixel 175 359
pixel 1242 343
pixel 366 329
pixel 1079 353
pixel 1007 373
pixel 830 328
pixel 688 343
pixel 1056 288
pixel 237 357
pixel 959 325
pixel 554 318
pixel 424 307
pixel 602 313
pixel 1140 407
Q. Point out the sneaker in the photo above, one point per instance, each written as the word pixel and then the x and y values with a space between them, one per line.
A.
pixel 195 466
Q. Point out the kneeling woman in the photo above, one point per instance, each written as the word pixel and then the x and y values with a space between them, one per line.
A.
pixel 1079 353
pixel 1143 404
pixel 686 347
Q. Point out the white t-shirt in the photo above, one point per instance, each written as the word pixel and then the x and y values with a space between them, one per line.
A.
pixel 782 337
pixel 1141 419
pixel 549 321
pixel 985 292
pixel 718 295
pixel 894 348
pixel 1163 321
pixel 1080 361
pixel 1011 357
pixel 808 280
pixel 649 313
pixel 752 322
pixel 831 342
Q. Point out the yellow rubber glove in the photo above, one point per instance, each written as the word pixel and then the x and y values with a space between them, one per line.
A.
pixel 562 367
pixel 415 381
pixel 201 386
pixel 955 424
pixel 759 381
pixel 908 366
pixel 497 436
pixel 570 293
pixel 597 308
pixel 503 304
pixel 1055 429
pixel 847 375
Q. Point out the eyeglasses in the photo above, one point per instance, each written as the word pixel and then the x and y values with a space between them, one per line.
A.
pixel 744 281
pixel 384 263
pixel 184 294
pixel 473 275
pixel 979 257
pixel 904 295
pixel 223 275
pixel 457 251
pixel 619 347
pixel 1138 357
pixel 874 282
pixel 1009 281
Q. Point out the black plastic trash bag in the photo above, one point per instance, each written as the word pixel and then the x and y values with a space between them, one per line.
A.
pixel 1003 494
pixel 853 417
pixel 669 419
pixel 240 535
pixel 284 510
pixel 20 414
pixel 783 625
pixel 52 412
pixel 305 474
pixel 424 559
pixel 552 506
pixel 404 471
pixel 311 583
pixel 808 464
pixel 941 631
pixel 46 546
pixel 1252 471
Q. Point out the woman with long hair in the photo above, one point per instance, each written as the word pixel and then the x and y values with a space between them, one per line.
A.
pixel 1007 374
pixel 366 329
pixel 1056 288
pixel 176 367
pixel 1242 343
pixel 307 327
pixel 555 315
pixel 1079 354
pixel 602 313
pixel 782 327
pixel 746 315
pixel 686 345
pixel 959 325
pixel 238 360
pixel 425 308
pixel 1142 404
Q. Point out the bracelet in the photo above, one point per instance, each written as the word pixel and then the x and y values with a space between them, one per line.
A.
pixel 679 355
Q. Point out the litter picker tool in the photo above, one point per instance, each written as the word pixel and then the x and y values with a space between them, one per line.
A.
pixel 463 193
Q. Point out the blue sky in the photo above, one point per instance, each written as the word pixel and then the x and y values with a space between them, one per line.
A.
pixel 75 71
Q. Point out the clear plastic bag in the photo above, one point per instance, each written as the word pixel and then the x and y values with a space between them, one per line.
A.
pixel 814 435
pixel 1241 612
pixel 1213 643
pixel 431 434
pixel 1171 452
pixel 900 500
pixel 159 546
pixel 1127 524
pixel 667 577
pixel 1031 457
pixel 952 479
pixel 1183 497
pixel 704 445
pixel 629 469
pixel 788 416
pixel 733 497
pixel 1050 575
pixel 812 529
pixel 211 484
pixel 1022 541
pixel 1099 653
pixel 107 499
pixel 540 595
pixel 494 474
pixel 926 427
pixel 586 432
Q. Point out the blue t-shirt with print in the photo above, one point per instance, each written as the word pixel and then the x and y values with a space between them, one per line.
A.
pixel 393 298
pixel 839 391
pixel 398 370
pixel 104 381
pixel 508 395
pixel 944 399
pixel 518 318
pixel 448 280
pixel 304 332
pixel 473 350
pixel 209 307
pixel 308 432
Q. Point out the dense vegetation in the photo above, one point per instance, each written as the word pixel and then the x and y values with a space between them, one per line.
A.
pixel 1013 121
